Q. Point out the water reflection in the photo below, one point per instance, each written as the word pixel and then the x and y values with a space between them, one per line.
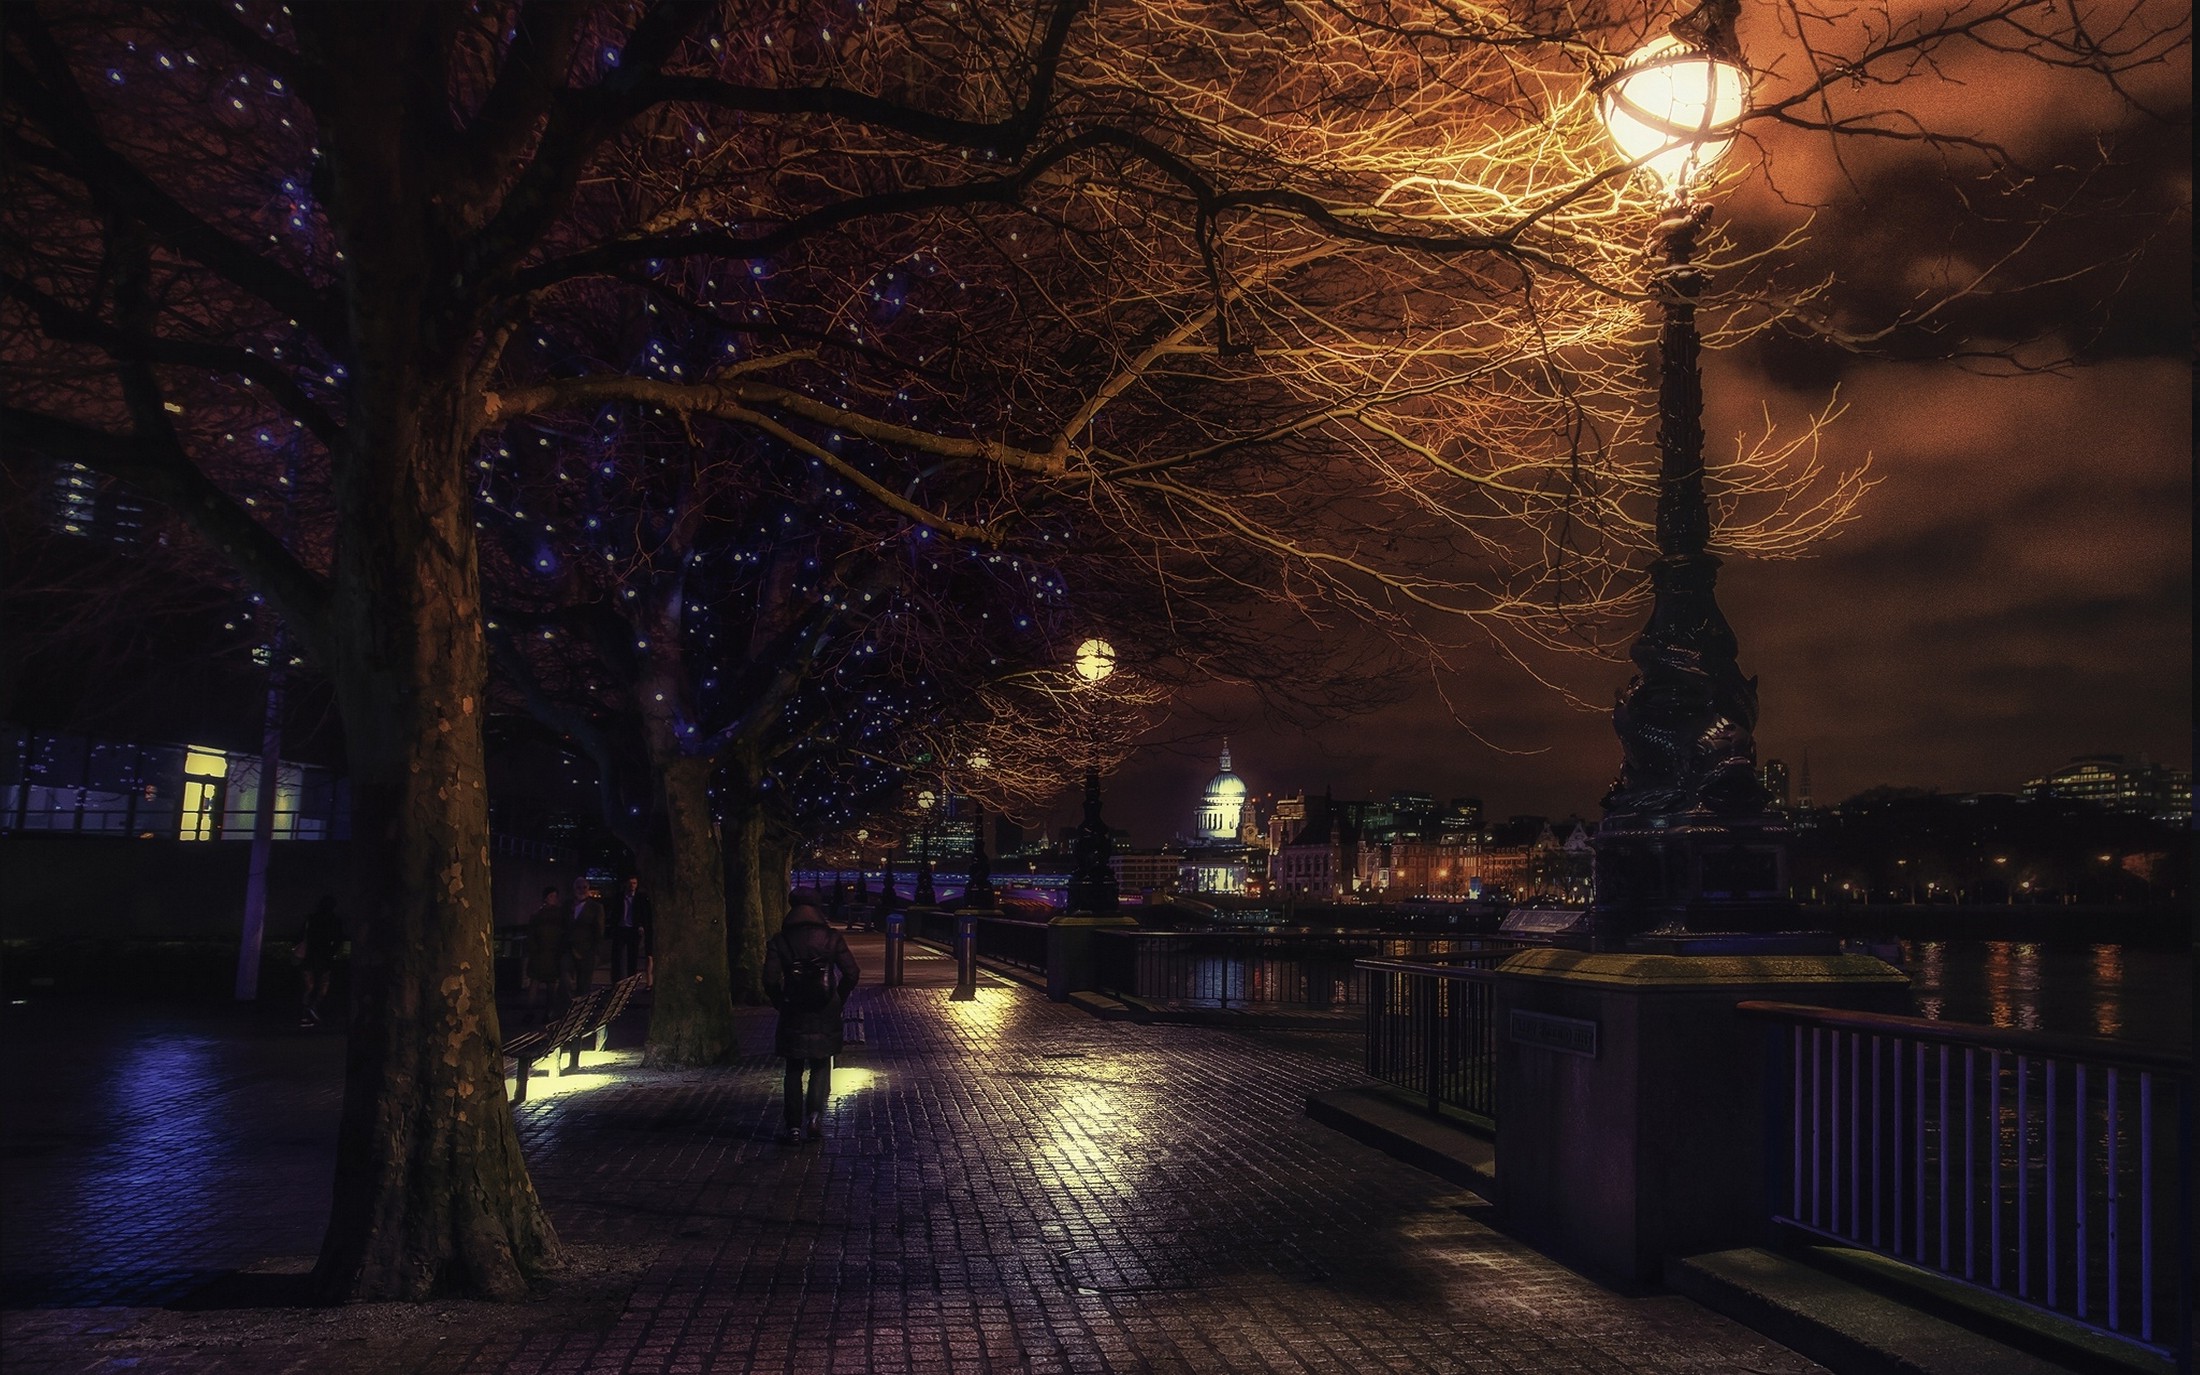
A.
pixel 2091 990
pixel 2108 972
pixel 1997 983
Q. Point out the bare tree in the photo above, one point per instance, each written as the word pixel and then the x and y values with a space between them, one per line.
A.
pixel 1306 298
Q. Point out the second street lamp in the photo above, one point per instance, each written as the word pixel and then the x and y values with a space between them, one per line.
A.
pixel 1092 884
pixel 1686 845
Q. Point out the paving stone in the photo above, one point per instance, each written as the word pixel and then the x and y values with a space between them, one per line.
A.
pixel 1006 1185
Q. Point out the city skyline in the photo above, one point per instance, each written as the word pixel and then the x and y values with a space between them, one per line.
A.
pixel 1156 796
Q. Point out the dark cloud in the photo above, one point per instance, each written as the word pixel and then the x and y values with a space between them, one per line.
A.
pixel 2016 590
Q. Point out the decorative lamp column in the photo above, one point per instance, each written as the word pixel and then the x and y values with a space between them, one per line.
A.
pixel 978 890
pixel 925 895
pixel 1092 885
pixel 1687 845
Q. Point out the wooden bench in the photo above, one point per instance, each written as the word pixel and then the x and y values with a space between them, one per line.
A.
pixel 586 1023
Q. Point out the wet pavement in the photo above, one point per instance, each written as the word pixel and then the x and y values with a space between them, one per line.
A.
pixel 1006 1185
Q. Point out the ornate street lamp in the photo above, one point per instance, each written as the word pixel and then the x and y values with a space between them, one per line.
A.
pixel 1687 845
pixel 978 892
pixel 925 895
pixel 1092 886
pixel 1095 660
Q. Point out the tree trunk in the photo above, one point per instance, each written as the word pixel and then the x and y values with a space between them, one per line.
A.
pixel 431 1192
pixel 748 924
pixel 775 875
pixel 691 1012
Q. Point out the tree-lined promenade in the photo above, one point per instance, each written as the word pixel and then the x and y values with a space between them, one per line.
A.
pixel 765 411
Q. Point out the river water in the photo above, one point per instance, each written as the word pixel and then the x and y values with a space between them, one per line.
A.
pixel 2079 990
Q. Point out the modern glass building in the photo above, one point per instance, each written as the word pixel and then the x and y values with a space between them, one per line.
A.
pixel 53 782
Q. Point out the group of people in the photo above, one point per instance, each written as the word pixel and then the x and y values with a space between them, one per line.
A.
pixel 808 974
pixel 565 947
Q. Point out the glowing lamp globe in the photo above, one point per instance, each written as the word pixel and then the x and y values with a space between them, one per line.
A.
pixel 1673 108
pixel 1095 660
pixel 926 798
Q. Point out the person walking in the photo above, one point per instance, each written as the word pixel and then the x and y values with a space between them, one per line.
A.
pixel 319 941
pixel 630 933
pixel 808 973
pixel 585 935
pixel 547 944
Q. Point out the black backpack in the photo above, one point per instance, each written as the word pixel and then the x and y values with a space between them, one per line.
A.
pixel 809 984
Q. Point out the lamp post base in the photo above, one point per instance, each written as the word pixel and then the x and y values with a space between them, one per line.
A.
pixel 1696 874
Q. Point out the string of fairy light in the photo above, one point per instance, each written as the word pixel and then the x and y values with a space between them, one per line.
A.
pixel 562 498
pixel 564 501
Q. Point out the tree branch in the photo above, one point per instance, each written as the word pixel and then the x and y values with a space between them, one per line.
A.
pixel 54 102
pixel 70 325
pixel 162 472
pixel 733 401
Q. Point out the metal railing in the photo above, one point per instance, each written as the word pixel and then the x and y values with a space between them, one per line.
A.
pixel 2054 1170
pixel 1010 941
pixel 1433 1029
pixel 1005 940
pixel 1226 969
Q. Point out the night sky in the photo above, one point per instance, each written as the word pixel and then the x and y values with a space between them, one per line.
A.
pixel 2017 589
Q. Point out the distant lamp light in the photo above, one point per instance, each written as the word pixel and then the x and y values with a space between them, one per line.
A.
pixel 926 798
pixel 1673 108
pixel 1095 660
pixel 979 761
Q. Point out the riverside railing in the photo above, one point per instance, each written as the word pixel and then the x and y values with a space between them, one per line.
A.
pixel 1241 969
pixel 1006 940
pixel 1432 1029
pixel 2054 1170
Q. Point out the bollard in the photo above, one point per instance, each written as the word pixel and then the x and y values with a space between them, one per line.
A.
pixel 894 936
pixel 966 958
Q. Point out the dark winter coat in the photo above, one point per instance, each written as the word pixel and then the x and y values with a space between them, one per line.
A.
pixel 814 1034
pixel 637 914
pixel 586 936
pixel 547 943
pixel 321 938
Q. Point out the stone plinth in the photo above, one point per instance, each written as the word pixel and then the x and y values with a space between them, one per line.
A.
pixel 1070 966
pixel 1632 1119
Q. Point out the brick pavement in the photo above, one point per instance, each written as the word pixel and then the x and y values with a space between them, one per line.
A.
pixel 1008 1185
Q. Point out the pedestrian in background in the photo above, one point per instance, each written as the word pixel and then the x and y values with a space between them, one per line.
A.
pixel 585 935
pixel 319 942
pixel 548 974
pixel 630 933
pixel 808 973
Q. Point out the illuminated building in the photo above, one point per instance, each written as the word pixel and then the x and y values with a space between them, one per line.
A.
pixel 1409 867
pixel 1325 859
pixel 89 506
pixel 1220 857
pixel 1146 871
pixel 1222 807
pixel 1284 820
pixel 1773 774
pixel 2110 782
pixel 57 782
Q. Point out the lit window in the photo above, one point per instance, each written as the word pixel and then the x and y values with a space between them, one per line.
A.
pixel 203 773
